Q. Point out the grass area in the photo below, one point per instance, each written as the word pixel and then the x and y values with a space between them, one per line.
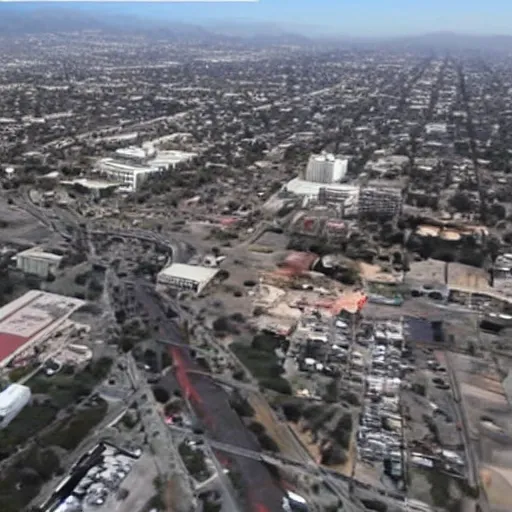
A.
pixel 22 482
pixel 61 392
pixel 261 249
pixel 17 374
pixel 72 431
pixel 27 424
pixel 67 388
pixel 390 291
pixel 261 360
pixel 194 461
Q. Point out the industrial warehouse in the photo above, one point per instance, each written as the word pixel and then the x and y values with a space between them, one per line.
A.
pixel 28 320
pixel 38 262
pixel 186 277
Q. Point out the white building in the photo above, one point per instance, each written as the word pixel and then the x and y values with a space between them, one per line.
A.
pixel 131 176
pixel 165 160
pixel 325 168
pixel 436 128
pixel 12 401
pixel 136 154
pixel 313 190
pixel 186 277
pixel 38 262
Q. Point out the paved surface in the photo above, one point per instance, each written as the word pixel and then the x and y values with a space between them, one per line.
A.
pixel 139 483
pixel 211 404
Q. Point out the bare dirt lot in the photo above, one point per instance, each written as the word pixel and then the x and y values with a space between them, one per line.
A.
pixel 485 404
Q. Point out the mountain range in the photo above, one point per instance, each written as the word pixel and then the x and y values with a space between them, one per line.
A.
pixel 19 21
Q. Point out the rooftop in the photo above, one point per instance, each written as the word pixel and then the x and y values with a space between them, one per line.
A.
pixel 165 158
pixel 36 252
pixel 309 188
pixel 325 157
pixel 10 396
pixel 191 272
pixel 120 166
pixel 32 316
pixel 132 151
pixel 91 184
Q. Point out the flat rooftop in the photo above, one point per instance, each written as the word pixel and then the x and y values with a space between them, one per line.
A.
pixel 190 272
pixel 115 165
pixel 31 317
pixel 38 253
pixel 170 158
pixel 91 184
pixel 310 188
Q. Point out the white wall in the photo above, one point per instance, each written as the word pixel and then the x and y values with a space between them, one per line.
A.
pixel 323 169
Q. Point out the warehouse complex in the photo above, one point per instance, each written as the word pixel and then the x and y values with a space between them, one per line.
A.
pixel 28 320
pixel 186 277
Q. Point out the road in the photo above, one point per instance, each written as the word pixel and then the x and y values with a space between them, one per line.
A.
pixel 211 404
pixel 64 221
pixel 209 400
pixel 338 483
pixel 471 472
pixel 160 438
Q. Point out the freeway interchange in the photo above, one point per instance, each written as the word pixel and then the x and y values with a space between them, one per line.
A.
pixel 226 437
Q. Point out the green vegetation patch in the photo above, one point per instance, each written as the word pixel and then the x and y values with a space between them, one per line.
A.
pixel 27 424
pixel 261 248
pixel 17 374
pixel 72 431
pixel 22 482
pixel 265 441
pixel 65 388
pixel 261 360
pixel 194 460
pixel 390 291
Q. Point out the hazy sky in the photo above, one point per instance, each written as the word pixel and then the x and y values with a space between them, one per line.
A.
pixel 343 17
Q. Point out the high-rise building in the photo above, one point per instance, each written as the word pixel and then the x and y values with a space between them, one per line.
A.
pixel 326 168
pixel 382 202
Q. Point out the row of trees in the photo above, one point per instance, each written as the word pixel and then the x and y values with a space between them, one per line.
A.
pixel 21 483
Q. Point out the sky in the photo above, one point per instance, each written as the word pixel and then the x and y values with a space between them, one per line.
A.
pixel 365 18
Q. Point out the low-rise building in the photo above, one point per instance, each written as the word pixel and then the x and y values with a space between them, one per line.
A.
pixel 12 401
pixel 38 262
pixel 312 190
pixel 135 154
pixel 130 175
pixel 186 277
pixel 29 320
pixel 165 160
pixel 96 188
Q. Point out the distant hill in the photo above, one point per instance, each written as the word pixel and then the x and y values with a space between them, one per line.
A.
pixel 18 21
pixel 23 20
pixel 32 21
pixel 455 41
pixel 257 31
pixel 20 18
